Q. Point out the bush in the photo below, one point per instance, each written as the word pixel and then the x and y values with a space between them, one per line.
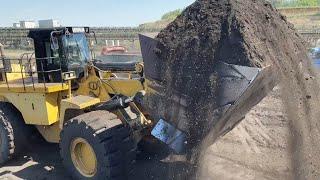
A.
pixel 171 15
pixel 295 3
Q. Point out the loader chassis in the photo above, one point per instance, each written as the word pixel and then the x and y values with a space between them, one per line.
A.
pixel 64 88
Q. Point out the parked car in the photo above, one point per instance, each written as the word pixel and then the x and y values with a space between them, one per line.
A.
pixel 315 56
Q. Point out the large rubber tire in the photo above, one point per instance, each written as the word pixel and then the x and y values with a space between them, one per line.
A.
pixel 13 132
pixel 110 140
pixel 150 147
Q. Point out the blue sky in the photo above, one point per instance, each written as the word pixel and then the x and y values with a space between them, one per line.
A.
pixel 88 12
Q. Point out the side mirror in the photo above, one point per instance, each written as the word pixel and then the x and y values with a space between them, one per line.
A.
pixel 54 43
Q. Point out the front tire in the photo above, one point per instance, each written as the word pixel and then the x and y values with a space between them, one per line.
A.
pixel 96 145
pixel 149 146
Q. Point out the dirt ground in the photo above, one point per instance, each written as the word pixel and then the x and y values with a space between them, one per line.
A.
pixel 256 149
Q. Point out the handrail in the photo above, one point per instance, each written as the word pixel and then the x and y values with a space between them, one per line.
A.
pixel 26 69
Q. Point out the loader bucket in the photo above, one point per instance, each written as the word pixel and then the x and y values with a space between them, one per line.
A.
pixel 239 88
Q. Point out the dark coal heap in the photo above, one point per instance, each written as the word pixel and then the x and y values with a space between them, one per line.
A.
pixel 241 32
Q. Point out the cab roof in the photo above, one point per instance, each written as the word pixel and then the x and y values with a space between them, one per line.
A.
pixel 44 34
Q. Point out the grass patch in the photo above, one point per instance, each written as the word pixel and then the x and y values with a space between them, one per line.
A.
pixel 295 3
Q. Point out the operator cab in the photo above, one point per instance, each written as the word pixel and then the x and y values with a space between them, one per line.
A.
pixel 60 48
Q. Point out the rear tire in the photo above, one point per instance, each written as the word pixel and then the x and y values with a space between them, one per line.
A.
pixel 96 145
pixel 13 132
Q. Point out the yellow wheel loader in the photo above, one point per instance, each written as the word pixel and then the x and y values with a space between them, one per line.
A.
pixel 95 110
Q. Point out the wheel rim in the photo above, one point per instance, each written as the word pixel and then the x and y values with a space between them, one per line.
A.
pixel 83 157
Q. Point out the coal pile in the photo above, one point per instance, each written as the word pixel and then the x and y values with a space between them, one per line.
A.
pixel 204 34
pixel 248 33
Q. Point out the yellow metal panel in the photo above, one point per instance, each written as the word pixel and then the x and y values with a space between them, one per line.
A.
pixel 14 76
pixel 55 87
pixel 36 108
pixel 102 89
pixel 77 102
pixel 92 86
pixel 37 88
pixel 52 107
pixel 81 102
pixel 52 132
pixel 127 87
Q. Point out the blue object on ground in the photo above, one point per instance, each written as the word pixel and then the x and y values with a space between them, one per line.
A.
pixel 170 135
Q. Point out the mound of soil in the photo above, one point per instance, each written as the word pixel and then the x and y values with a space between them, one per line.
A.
pixel 249 33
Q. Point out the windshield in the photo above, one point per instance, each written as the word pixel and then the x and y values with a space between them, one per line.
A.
pixel 76 49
